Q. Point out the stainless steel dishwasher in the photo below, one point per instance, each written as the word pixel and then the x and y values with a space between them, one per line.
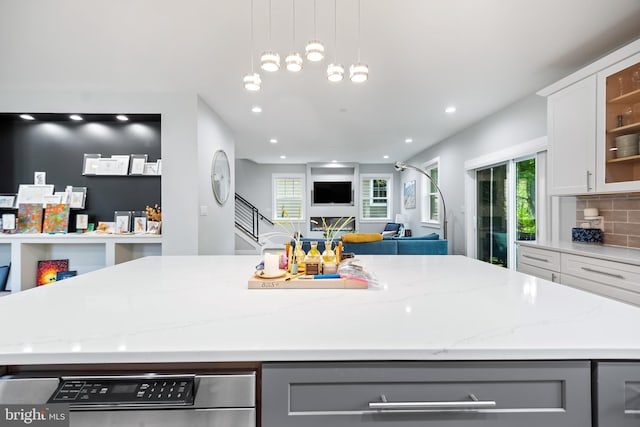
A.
pixel 144 400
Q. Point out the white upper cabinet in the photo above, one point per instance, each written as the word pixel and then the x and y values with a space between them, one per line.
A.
pixel 571 123
pixel 618 124
pixel 592 117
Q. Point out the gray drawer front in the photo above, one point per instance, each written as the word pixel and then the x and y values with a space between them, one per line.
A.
pixel 338 394
pixel 618 394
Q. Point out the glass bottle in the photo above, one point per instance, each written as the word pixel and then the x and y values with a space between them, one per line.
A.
pixel 314 254
pixel 299 257
pixel 328 256
pixel 635 80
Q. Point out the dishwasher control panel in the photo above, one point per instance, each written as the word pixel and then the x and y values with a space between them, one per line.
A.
pixel 125 390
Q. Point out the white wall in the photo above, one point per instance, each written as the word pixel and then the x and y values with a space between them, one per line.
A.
pixel 179 144
pixel 520 122
pixel 216 228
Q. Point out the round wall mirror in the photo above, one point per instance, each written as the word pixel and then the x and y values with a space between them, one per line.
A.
pixel 220 177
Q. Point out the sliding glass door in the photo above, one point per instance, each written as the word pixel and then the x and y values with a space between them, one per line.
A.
pixel 506 209
pixel 492 211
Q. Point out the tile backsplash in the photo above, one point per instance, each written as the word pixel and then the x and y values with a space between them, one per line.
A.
pixel 621 214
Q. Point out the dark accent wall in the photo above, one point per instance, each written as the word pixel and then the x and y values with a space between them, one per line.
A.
pixel 56 145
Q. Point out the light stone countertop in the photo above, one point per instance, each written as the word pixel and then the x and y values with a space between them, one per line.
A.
pixel 609 253
pixel 189 309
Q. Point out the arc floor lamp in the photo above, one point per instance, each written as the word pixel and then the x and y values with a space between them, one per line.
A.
pixel 401 166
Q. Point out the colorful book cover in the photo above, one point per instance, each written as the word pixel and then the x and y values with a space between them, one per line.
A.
pixel 48 270
pixel 30 218
pixel 61 275
pixel 56 219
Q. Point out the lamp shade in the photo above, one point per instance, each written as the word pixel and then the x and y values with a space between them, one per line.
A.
pixel 293 62
pixel 335 72
pixel 359 73
pixel 314 51
pixel 270 61
pixel 252 82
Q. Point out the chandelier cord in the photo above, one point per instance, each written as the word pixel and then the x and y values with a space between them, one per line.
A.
pixel 315 20
pixel 335 31
pixel 293 42
pixel 359 7
pixel 269 22
pixel 251 44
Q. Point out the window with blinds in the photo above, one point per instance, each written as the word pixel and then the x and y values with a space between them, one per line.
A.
pixel 288 197
pixel 375 193
pixel 431 199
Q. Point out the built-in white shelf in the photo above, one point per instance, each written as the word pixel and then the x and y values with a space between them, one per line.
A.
pixel 86 252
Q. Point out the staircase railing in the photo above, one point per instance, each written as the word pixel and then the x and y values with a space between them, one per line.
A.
pixel 248 218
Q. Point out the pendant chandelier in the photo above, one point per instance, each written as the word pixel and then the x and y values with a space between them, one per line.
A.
pixel 314 52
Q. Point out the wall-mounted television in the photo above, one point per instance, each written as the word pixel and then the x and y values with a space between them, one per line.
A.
pixel 326 192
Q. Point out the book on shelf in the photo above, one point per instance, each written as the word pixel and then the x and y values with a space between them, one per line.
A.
pixel 48 270
pixel 61 275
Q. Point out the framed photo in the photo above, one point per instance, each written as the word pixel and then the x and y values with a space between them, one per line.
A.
pixel 150 169
pixel 39 178
pixel 140 222
pixel 122 220
pixel 8 222
pixel 78 197
pixel 7 201
pixel 90 165
pixel 82 221
pixel 137 164
pixel 409 194
pixel 33 193
pixel 54 199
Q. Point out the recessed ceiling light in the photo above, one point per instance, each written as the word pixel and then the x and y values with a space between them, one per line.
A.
pixel 283 157
pixel 386 157
pixel 408 140
pixel 122 118
pixel 273 141
pixel 256 109
pixel 27 117
pixel 450 109
pixel 75 117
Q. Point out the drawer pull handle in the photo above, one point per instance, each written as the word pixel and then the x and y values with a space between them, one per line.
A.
pixel 591 270
pixel 454 406
pixel 534 257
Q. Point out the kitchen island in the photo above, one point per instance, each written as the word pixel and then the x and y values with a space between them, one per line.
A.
pixel 461 313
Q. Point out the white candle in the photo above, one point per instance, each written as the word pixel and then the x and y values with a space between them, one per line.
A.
pixel 271 264
pixel 591 212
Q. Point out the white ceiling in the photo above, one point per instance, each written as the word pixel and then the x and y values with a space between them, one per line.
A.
pixel 479 55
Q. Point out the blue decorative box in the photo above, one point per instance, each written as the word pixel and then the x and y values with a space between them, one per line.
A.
pixel 587 235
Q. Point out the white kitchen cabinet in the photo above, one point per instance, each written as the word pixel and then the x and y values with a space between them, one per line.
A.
pixel 571 123
pixel 618 115
pixel 542 263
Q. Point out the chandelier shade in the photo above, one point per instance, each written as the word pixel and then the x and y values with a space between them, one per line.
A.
pixel 314 51
pixel 293 62
pixel 252 82
pixel 335 73
pixel 359 73
pixel 270 61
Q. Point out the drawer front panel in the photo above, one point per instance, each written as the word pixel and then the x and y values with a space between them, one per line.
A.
pixel 602 289
pixel 617 274
pixel 438 393
pixel 542 258
pixel 552 276
pixel 618 394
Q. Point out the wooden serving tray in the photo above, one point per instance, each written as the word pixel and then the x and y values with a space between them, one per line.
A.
pixel 286 282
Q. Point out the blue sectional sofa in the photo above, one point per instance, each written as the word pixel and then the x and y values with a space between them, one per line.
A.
pixel 430 244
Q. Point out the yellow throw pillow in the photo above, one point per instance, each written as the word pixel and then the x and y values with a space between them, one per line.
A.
pixel 361 237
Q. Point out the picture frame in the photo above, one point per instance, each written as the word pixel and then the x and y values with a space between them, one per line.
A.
pixel 40 178
pixel 54 199
pixel 82 221
pixel 9 223
pixel 150 168
pixel 122 220
pixel 78 197
pixel 409 194
pixel 31 193
pixel 139 222
pixel 90 164
pixel 7 201
pixel 137 164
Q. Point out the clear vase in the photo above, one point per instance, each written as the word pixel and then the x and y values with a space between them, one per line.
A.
pixel 328 256
pixel 314 254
